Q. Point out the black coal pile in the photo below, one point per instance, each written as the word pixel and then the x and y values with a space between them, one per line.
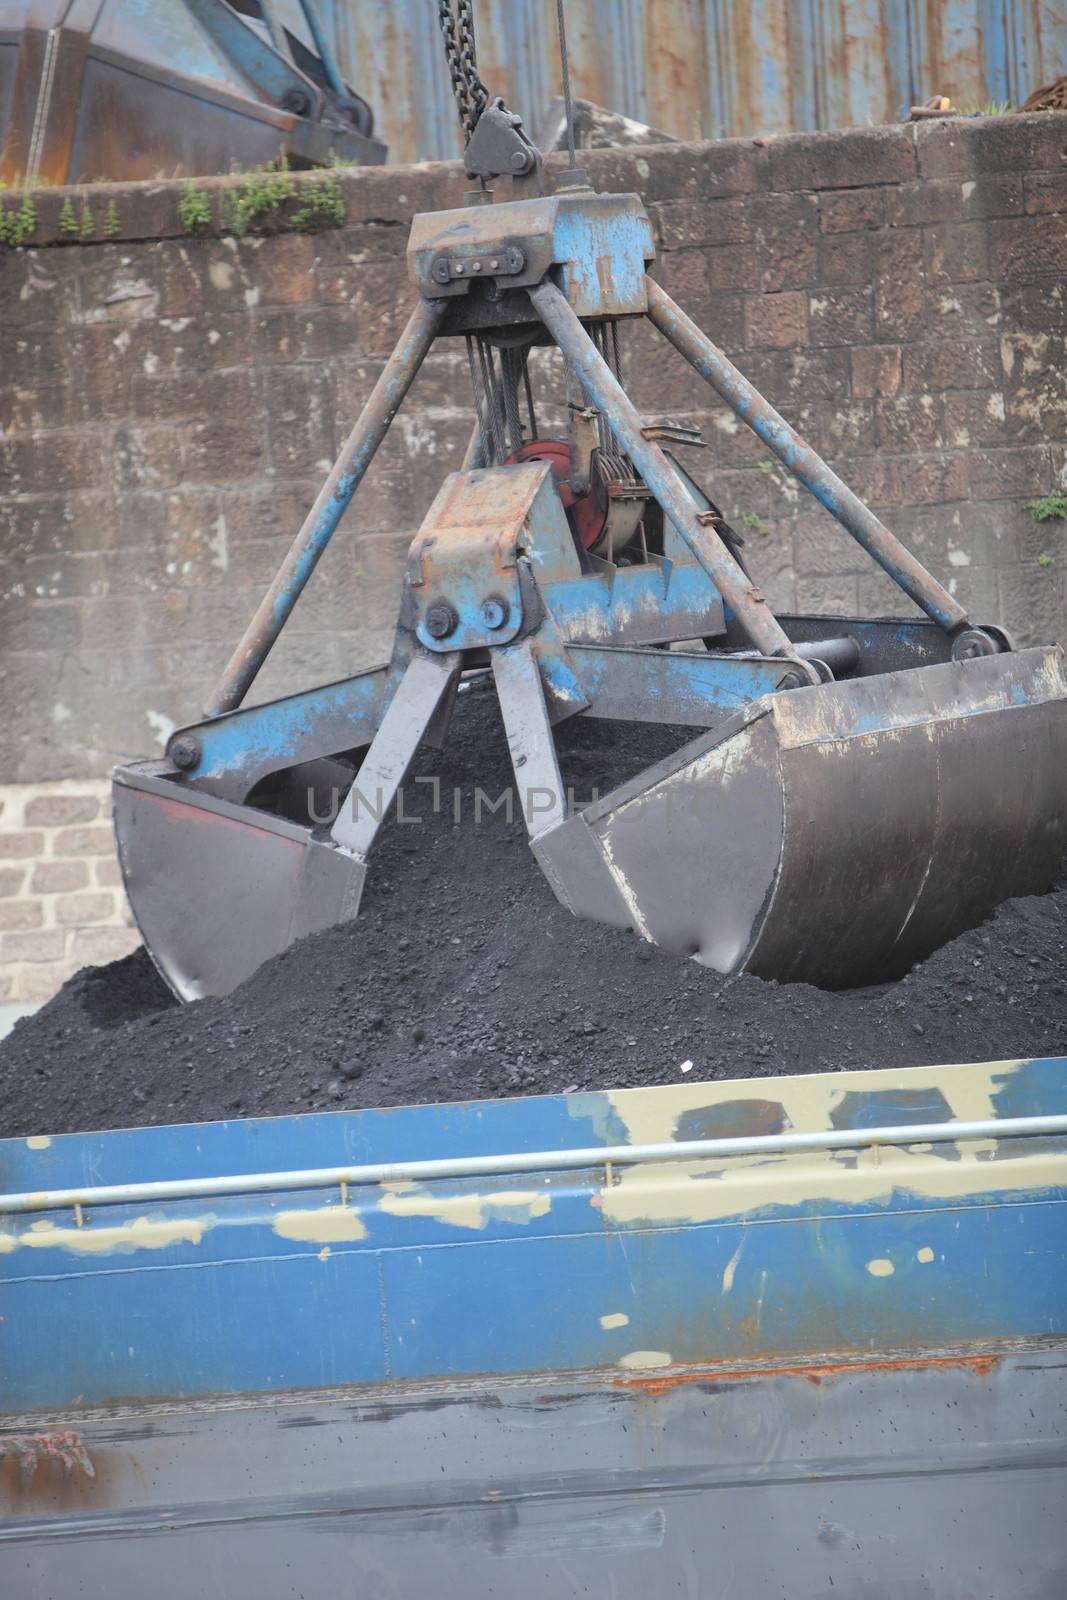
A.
pixel 464 978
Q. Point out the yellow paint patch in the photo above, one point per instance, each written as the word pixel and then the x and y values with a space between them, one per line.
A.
pixel 38 1141
pixel 143 1233
pixel 707 1191
pixel 615 1319
pixel 465 1210
pixel 924 1255
pixel 321 1225
pixel 325 1253
pixel 881 1268
pixel 645 1358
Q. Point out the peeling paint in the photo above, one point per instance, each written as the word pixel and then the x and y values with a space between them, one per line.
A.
pixel 645 1358
pixel 925 1255
pixel 735 1186
pixel 143 1233
pixel 465 1210
pixel 320 1225
pixel 38 1141
pixel 880 1268
pixel 615 1319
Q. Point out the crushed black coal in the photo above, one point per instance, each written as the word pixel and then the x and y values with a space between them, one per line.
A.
pixel 463 978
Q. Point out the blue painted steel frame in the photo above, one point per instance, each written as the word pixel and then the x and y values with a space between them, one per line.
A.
pixel 686 688
pixel 531 1274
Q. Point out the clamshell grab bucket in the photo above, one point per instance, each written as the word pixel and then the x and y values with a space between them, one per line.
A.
pixel 831 835
pixel 836 834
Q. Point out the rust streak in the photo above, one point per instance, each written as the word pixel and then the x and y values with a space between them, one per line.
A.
pixel 51 1471
pixel 811 1372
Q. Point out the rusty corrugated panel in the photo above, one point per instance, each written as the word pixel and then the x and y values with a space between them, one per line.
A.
pixel 703 68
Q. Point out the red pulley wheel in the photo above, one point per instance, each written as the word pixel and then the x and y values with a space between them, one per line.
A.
pixel 587 513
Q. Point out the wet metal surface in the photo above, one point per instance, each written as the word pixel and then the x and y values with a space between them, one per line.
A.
pixel 933 1479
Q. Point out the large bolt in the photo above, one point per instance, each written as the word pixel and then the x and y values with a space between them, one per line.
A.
pixel 972 644
pixel 521 161
pixel 184 751
pixel 441 620
pixel 494 613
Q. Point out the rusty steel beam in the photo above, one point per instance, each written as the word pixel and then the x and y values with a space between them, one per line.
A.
pixel 802 461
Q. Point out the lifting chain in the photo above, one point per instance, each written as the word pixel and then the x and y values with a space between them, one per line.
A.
pixel 470 92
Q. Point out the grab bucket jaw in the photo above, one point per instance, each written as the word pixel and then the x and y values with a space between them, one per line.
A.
pixel 216 888
pixel 836 834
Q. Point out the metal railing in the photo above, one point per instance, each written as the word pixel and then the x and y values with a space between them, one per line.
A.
pixel 533 1161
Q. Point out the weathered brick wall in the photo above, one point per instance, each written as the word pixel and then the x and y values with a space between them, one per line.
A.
pixel 170 404
pixel 61 904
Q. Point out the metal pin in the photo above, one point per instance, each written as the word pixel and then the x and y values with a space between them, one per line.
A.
pixel 79 1215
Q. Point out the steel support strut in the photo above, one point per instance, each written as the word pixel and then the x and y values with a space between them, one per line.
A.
pixel 605 392
pixel 385 400
pixel 802 460
pixel 402 729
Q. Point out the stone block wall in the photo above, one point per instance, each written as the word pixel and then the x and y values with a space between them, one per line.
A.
pixel 61 902
pixel 170 402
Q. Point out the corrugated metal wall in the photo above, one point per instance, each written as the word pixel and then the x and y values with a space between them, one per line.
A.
pixel 702 68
